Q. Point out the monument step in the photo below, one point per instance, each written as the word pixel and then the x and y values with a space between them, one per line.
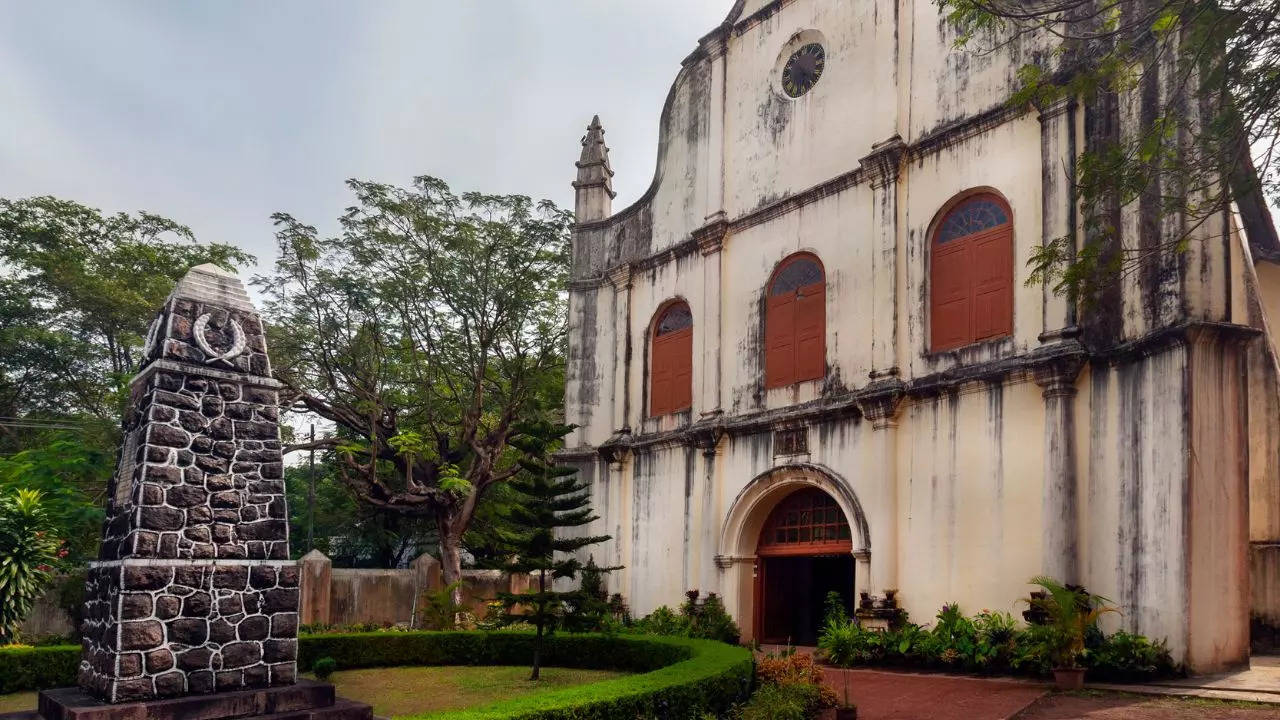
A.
pixel 303 700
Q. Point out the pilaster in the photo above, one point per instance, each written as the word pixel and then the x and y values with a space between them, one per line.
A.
pixel 710 239
pixel 882 168
pixel 620 279
pixel 1058 216
pixel 880 403
pixel 1060 549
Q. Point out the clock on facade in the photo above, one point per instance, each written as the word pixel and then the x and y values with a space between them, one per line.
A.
pixel 803 69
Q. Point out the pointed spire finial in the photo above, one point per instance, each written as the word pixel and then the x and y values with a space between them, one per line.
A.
pixel 595 175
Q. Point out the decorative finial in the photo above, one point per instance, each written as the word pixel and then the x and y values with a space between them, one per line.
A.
pixel 595 176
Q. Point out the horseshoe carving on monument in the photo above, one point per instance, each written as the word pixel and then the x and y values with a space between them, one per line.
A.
pixel 237 344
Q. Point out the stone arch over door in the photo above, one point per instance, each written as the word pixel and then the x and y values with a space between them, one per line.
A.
pixel 740 534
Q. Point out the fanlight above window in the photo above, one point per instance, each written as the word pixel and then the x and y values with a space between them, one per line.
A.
pixel 807 522
pixel 971 274
pixel 671 373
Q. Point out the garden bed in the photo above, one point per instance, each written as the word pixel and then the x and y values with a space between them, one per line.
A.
pixel 673 677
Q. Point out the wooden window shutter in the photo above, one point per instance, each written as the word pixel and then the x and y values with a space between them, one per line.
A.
pixel 971 274
pixel 796 322
pixel 992 285
pixel 950 297
pixel 682 370
pixel 661 391
pixel 671 376
pixel 811 331
pixel 780 340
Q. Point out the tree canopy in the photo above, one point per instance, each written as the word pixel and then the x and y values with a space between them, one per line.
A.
pixel 423 331
pixel 1193 86
pixel 78 289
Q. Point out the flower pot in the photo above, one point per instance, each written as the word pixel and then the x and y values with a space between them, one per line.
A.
pixel 1068 678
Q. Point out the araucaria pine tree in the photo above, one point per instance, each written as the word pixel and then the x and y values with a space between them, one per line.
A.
pixel 551 501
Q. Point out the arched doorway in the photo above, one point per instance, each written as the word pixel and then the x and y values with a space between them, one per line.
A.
pixel 805 552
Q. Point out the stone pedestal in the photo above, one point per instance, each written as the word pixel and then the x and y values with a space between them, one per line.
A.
pixel 192 608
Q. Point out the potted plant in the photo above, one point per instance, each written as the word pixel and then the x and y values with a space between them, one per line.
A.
pixel 1070 611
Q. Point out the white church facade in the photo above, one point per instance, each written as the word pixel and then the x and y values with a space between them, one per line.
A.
pixel 807 359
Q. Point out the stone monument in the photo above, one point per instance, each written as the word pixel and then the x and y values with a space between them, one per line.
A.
pixel 192 608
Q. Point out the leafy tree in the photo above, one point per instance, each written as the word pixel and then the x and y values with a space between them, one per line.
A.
pixel 71 477
pixel 28 552
pixel 78 289
pixel 1204 77
pixel 352 533
pixel 424 332
pixel 553 500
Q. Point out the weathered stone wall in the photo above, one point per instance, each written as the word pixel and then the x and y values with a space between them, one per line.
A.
pixel 193 591
pixel 349 596
pixel 1063 448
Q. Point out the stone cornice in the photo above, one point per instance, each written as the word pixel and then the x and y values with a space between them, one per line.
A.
pixel 1054 367
pixel 203 371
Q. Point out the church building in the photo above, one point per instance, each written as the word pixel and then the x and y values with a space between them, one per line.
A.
pixel 807 359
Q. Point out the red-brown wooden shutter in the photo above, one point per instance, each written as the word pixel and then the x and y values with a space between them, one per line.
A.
pixel 811 331
pixel 671 377
pixel 661 390
pixel 681 344
pixel 780 340
pixel 992 284
pixel 971 274
pixel 950 314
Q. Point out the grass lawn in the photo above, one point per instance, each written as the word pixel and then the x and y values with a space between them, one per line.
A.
pixel 17 702
pixel 411 690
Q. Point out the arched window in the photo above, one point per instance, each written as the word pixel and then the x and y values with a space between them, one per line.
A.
pixel 795 323
pixel 971 274
pixel 806 522
pixel 671 377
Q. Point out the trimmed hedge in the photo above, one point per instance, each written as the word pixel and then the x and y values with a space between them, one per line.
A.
pixel 38 668
pixel 679 677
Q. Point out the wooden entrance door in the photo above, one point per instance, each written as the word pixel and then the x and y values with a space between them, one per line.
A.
pixel 805 551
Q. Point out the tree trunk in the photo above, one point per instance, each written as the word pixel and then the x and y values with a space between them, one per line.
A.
pixel 450 554
pixel 542 617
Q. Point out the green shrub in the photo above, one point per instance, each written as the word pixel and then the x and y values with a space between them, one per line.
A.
pixel 1125 657
pixel 991 642
pixel 324 667
pixel 28 551
pixel 37 668
pixel 781 702
pixel 437 609
pixel 706 619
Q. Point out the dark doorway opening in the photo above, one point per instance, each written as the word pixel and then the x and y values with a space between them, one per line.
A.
pixel 794 592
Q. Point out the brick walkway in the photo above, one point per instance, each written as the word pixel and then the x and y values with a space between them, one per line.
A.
pixel 912 696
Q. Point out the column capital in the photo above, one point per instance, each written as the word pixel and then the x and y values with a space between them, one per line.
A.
pixel 885 162
pixel 1052 109
pixel 1057 375
pixel 620 277
pixel 710 237
pixel 880 401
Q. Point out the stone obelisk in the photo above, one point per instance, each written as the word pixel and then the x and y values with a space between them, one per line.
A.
pixel 194 595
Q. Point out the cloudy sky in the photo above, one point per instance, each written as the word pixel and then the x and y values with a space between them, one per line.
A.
pixel 217 113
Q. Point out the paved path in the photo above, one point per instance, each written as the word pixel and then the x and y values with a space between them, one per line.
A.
pixel 914 696
pixel 1260 682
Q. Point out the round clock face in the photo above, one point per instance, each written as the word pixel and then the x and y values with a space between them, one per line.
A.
pixel 803 69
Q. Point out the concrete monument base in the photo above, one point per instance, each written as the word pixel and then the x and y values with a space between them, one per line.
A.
pixel 304 700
